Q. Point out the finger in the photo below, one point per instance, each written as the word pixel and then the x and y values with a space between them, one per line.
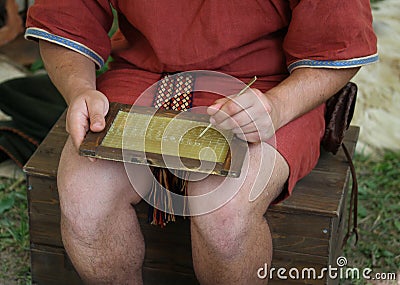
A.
pixel 77 126
pixel 251 137
pixel 229 109
pixel 239 120
pixel 255 126
pixel 235 105
pixel 212 109
pixel 97 110
pixel 264 132
pixel 246 117
pixel 257 136
pixel 221 101
pixel 249 128
pixel 247 99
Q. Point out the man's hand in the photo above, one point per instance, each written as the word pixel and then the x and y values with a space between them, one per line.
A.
pixel 85 111
pixel 74 75
pixel 251 116
pixel 259 115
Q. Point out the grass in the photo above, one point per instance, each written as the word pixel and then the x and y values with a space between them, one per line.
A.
pixel 14 234
pixel 378 215
pixel 375 4
pixel 379 224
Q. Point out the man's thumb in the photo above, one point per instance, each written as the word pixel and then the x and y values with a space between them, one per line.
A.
pixel 97 122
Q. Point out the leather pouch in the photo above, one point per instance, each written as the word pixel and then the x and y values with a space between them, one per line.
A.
pixel 338 115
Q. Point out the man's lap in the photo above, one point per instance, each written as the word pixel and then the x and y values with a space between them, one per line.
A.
pixel 96 188
pixel 298 142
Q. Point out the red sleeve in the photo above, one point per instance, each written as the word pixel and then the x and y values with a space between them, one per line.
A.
pixel 81 25
pixel 330 34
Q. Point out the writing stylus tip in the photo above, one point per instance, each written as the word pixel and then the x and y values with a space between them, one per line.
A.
pixel 204 131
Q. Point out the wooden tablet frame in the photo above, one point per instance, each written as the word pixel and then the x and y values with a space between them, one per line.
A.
pixel 92 145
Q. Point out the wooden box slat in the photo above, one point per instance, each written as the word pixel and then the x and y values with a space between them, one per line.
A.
pixel 51 266
pixel 45 219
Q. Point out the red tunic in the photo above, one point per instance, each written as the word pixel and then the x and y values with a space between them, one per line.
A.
pixel 242 38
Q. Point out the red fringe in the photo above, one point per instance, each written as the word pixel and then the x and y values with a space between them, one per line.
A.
pixel 161 199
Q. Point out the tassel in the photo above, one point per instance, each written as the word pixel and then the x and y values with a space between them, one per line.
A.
pixel 173 92
pixel 162 199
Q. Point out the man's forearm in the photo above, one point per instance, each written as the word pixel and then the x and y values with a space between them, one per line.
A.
pixel 71 72
pixel 305 89
pixel 75 77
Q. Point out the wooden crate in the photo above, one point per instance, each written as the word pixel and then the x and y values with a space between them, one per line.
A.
pixel 307 228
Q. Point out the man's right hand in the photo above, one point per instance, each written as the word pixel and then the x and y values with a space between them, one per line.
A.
pixel 74 75
pixel 87 110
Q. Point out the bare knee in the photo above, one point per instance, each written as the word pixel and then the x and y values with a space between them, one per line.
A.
pixel 225 231
pixel 228 230
pixel 83 220
pixel 91 192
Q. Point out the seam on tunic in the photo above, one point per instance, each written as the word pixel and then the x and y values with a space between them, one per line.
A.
pixel 71 44
pixel 347 63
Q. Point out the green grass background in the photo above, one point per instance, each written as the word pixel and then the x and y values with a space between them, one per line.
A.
pixel 379 208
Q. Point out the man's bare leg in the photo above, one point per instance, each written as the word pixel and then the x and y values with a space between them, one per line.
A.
pixel 231 243
pixel 99 226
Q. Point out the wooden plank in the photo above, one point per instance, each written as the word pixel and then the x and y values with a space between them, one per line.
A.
pixel 44 162
pixel 308 192
pixel 45 230
pixel 304 225
pixel 340 226
pixel 152 276
pixel 44 211
pixel 43 190
pixel 288 260
pixel 51 266
pixel 296 232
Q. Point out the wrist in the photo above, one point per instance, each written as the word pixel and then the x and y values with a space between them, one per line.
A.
pixel 79 92
pixel 276 112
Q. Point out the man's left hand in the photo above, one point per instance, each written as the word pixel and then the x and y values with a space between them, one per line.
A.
pixel 251 116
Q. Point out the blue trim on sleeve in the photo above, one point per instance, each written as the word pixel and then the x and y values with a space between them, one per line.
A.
pixel 355 62
pixel 82 49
